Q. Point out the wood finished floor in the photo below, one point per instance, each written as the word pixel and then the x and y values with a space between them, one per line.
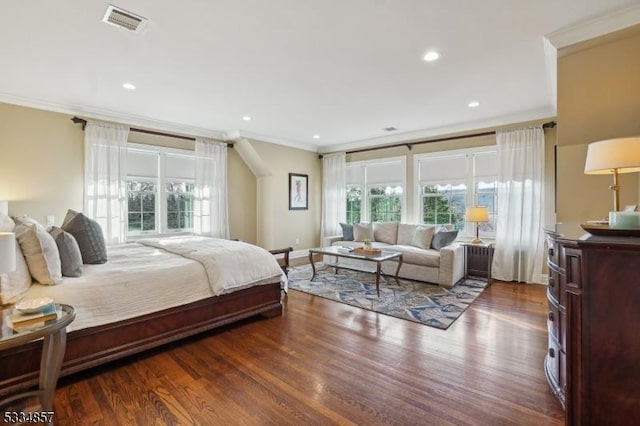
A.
pixel 324 362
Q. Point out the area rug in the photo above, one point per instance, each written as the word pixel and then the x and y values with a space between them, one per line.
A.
pixel 420 302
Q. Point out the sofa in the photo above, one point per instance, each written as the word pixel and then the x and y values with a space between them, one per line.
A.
pixel 430 253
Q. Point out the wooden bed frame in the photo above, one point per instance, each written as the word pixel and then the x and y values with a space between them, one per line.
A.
pixel 93 346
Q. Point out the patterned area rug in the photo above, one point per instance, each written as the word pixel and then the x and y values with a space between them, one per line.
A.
pixel 425 303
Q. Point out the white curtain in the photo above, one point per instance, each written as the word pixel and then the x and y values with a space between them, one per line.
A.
pixel 519 235
pixel 105 177
pixel 210 193
pixel 334 203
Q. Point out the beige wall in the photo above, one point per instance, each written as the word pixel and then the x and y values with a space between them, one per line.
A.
pixel 277 225
pixel 42 172
pixel 598 98
pixel 41 166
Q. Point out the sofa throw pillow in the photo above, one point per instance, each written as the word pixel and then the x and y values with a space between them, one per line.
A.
pixel 385 232
pixel 422 237
pixel 443 239
pixel 40 252
pixel 70 256
pixel 362 231
pixel 13 285
pixel 88 235
pixel 347 231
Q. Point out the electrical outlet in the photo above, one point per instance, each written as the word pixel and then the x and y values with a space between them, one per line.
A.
pixel 297 241
pixel 51 220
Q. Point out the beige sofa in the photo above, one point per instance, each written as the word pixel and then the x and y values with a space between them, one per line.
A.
pixel 421 261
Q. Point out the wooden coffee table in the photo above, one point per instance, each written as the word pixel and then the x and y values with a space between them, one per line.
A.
pixel 338 252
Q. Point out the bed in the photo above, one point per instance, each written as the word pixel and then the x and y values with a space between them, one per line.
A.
pixel 149 293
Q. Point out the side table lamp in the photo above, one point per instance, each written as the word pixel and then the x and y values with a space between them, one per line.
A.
pixel 477 214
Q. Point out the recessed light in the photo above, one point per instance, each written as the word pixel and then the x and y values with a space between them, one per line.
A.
pixel 129 86
pixel 316 136
pixel 431 56
pixel 473 104
pixel 246 118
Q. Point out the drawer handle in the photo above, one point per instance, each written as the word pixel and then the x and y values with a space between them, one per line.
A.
pixel 550 316
pixel 552 353
pixel 552 282
pixel 550 251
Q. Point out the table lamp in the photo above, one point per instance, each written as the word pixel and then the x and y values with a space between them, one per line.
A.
pixel 477 214
pixel 7 252
pixel 613 156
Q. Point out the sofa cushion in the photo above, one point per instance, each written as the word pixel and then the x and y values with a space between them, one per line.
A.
pixel 422 237
pixel 362 231
pixel 88 234
pixel 417 256
pixel 443 239
pixel 385 232
pixel 405 233
pixel 347 231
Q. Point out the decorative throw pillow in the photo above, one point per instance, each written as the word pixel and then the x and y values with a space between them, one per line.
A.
pixel 347 231
pixel 385 232
pixel 422 237
pixel 70 256
pixel 40 252
pixel 362 231
pixel 443 239
pixel 88 235
pixel 13 285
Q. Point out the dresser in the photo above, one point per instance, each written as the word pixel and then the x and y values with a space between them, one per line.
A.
pixel 593 360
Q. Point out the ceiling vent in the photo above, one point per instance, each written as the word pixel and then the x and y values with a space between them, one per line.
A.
pixel 390 129
pixel 123 19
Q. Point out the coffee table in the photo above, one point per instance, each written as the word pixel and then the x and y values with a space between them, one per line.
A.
pixel 339 252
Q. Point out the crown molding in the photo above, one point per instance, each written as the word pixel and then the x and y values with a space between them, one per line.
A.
pixel 595 27
pixel 113 116
pixel 424 134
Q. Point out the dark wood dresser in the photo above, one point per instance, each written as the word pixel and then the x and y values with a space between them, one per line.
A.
pixel 593 361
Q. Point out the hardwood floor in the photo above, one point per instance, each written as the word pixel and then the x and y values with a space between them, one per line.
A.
pixel 324 362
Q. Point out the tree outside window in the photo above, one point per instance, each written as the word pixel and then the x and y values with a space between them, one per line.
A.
pixel 354 204
pixel 444 204
pixel 141 205
pixel 179 205
pixel 486 193
pixel 385 203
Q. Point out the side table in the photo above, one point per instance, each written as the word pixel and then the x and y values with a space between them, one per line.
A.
pixel 478 259
pixel 54 335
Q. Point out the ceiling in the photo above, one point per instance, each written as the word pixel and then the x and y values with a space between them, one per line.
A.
pixel 342 70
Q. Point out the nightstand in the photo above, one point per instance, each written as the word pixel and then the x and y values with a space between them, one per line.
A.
pixel 477 260
pixel 54 335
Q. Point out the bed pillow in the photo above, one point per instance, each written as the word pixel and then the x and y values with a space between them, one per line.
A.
pixel 13 285
pixel 40 252
pixel 422 237
pixel 443 239
pixel 70 256
pixel 347 231
pixel 362 231
pixel 88 235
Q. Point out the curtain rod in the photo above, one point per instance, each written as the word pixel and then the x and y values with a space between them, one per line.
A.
pixel 78 120
pixel 409 145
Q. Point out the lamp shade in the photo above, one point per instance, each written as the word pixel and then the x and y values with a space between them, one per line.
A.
pixel 622 154
pixel 476 214
pixel 7 252
pixel 4 207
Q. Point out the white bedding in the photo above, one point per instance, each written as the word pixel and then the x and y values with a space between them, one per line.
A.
pixel 136 280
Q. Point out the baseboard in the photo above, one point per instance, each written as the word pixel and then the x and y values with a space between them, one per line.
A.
pixel 298 254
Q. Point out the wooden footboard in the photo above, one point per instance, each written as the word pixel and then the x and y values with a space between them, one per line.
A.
pixel 97 345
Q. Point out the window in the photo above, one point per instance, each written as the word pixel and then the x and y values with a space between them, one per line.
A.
pixel 160 185
pixel 375 190
pixel 448 182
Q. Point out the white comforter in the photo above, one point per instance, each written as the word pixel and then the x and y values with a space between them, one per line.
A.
pixel 230 265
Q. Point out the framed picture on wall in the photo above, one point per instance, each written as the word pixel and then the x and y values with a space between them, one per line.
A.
pixel 298 191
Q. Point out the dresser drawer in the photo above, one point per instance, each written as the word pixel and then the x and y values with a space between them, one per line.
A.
pixel 553 252
pixel 552 364
pixel 554 285
pixel 553 321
